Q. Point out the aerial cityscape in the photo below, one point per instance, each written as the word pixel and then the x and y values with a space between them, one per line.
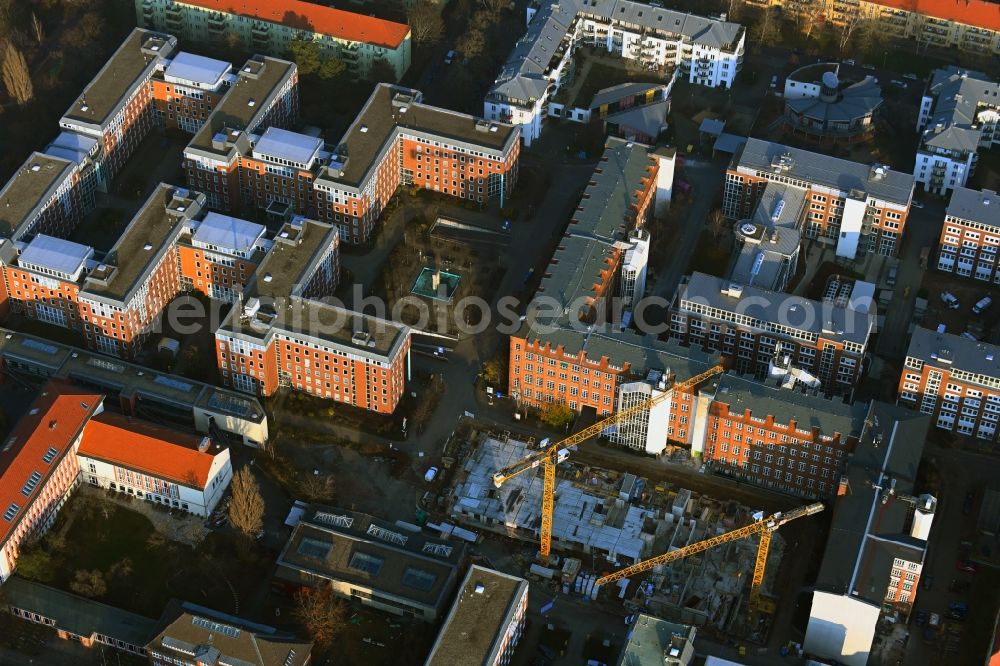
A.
pixel 499 332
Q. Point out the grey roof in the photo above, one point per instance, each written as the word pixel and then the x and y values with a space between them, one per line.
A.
pixel 765 258
pixel 199 69
pixel 808 410
pixel 620 91
pixel 523 75
pixel 476 625
pixel 77 615
pixel 212 637
pixel 958 95
pixel 227 233
pixel 55 254
pixel 729 143
pixel 868 533
pixel 809 167
pixel 814 319
pixel 326 542
pixel 245 104
pixel 291 146
pixel 71 146
pixel 391 110
pixel 954 352
pixel 854 102
pixel 138 55
pixel 31 185
pixel 712 126
pixel 982 206
pixel 650 638
pixel 647 119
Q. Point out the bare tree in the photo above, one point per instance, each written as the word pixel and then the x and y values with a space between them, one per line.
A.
pixel 483 20
pixel 852 20
pixel 16 76
pixel 471 43
pixel 322 614
pixel 733 9
pixel 318 488
pixel 494 6
pixel 246 511
pixel 768 27
pixel 808 16
pixel 37 29
pixel 717 222
pixel 426 24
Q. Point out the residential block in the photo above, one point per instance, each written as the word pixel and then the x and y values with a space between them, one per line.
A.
pixel 856 208
pixel 704 51
pixel 970 236
pixel 954 380
pixel 269 26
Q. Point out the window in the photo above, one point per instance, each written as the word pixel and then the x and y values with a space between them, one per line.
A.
pixel 366 563
pixel 419 579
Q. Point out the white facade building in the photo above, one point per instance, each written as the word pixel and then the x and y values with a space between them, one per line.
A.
pixel 645 430
pixel 958 116
pixel 154 464
pixel 708 52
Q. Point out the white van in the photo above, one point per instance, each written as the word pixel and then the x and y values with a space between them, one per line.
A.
pixel 950 300
pixel 981 305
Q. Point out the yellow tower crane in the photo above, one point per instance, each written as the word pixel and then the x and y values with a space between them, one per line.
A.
pixel 764 527
pixel 549 456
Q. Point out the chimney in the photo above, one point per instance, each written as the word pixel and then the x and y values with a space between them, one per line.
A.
pixel 205 443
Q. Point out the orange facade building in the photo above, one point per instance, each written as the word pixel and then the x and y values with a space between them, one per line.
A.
pixel 786 439
pixel 395 141
pixel 187 88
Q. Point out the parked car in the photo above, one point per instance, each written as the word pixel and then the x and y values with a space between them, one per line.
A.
pixel 917 204
pixel 891 277
pixel 982 304
pixel 774 81
pixel 967 566
pixel 849 61
pixel 950 300
pixel 926 582
pixel 431 474
pixel 921 618
pixel 898 83
pixel 868 67
pixel 450 57
pixel 957 610
pixel 911 76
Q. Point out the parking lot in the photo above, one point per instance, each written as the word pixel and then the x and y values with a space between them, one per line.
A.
pixel 958 316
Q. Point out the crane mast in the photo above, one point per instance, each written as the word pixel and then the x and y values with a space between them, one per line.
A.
pixel 549 456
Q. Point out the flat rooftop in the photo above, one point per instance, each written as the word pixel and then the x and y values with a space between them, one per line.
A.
pixel 292 260
pixel 808 410
pixel 375 126
pixel 343 545
pixel 778 160
pixel 259 79
pixel 289 146
pixel 812 319
pixel 982 206
pixel 139 52
pixel 198 69
pixel 954 352
pixel 230 234
pixel 477 621
pixel 612 191
pixel 55 254
pixel 143 241
pixel 651 638
pixel 27 189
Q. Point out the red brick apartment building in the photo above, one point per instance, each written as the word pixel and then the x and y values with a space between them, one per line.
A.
pixel 828 339
pixel 857 207
pixel 171 245
pixel 955 380
pixel 582 358
pixel 116 108
pixel 395 141
pixel 39 468
pixel 970 237
pixel 285 335
pixel 264 94
pixel 186 89
pixel 786 439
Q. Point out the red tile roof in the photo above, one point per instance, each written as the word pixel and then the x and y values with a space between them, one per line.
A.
pixel 306 15
pixel 144 447
pixel 979 13
pixel 53 422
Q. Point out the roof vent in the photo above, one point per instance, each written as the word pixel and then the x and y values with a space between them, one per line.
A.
pixel 35 167
pixel 480 588
pixel 268 277
pixel 364 129
pixel 85 108
pixel 147 247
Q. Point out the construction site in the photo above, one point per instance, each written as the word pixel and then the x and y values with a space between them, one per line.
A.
pixel 609 520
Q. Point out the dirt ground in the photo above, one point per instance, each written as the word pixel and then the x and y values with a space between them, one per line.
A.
pixel 968 291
